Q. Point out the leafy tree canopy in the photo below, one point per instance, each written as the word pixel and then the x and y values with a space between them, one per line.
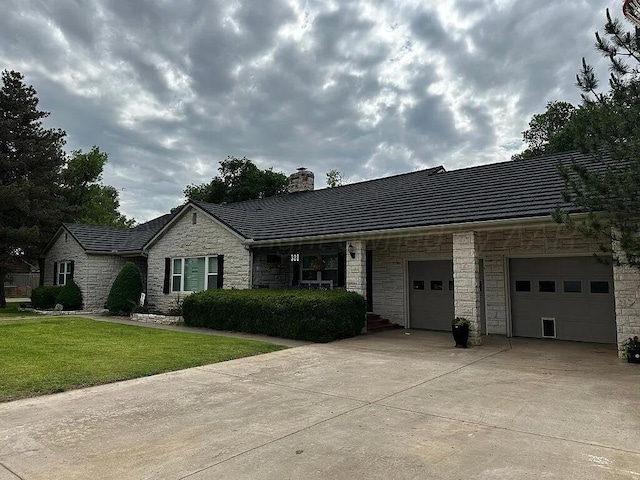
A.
pixel 334 178
pixel 238 179
pixel 549 132
pixel 88 200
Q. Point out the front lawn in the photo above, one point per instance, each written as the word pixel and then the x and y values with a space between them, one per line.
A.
pixel 49 355
pixel 11 311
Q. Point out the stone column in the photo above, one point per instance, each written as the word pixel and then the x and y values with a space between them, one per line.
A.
pixel 466 282
pixel 356 278
pixel 626 290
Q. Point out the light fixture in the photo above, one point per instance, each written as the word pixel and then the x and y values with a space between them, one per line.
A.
pixel 352 251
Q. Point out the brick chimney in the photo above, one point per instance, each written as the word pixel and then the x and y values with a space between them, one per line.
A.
pixel 301 181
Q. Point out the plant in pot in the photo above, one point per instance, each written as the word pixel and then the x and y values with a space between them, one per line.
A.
pixel 632 349
pixel 460 329
pixel 318 264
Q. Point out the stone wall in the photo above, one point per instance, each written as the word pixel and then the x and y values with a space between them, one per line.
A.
pixel 627 296
pixel 389 276
pixel 185 239
pixel 356 274
pixel 390 256
pixel 466 278
pixel 94 274
pixel 270 274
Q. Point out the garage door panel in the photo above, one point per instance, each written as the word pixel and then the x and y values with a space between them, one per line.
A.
pixel 579 314
pixel 431 294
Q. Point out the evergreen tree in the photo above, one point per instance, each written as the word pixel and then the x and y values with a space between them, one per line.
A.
pixel 31 158
pixel 610 124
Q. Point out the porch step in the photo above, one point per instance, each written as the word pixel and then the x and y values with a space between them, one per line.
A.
pixel 377 324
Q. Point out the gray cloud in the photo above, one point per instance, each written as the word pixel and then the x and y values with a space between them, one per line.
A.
pixel 372 87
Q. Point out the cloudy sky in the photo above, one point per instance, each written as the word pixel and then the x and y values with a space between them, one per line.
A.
pixel 369 87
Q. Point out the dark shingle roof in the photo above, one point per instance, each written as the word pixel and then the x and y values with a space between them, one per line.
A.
pixel 499 191
pixel 121 240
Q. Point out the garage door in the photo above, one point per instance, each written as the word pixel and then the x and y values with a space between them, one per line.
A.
pixel 431 294
pixel 566 298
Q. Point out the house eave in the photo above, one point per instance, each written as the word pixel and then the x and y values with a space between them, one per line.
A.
pixel 485 225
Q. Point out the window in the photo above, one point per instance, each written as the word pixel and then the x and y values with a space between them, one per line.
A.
pixel 572 286
pixel 320 268
pixel 436 285
pixel 194 274
pixel 418 284
pixel 523 286
pixel 599 287
pixel 546 286
pixel 64 273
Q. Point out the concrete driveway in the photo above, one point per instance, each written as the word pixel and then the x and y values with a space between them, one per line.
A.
pixel 384 406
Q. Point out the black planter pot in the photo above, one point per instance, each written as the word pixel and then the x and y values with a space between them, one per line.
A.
pixel 633 356
pixel 460 335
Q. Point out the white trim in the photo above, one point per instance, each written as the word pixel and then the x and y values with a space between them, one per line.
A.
pixel 487 225
pixel 555 331
pixel 182 275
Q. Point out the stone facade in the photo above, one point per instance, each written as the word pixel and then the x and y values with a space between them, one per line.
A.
pixel 185 238
pixel 356 278
pixel 94 274
pixel 627 296
pixel 466 281
pixel 271 270
pixel 390 256
pixel 301 181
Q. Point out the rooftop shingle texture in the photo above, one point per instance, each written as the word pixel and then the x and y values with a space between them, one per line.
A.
pixel 121 240
pixel 499 191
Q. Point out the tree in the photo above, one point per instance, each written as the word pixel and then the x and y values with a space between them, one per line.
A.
pixel 334 178
pixel 88 200
pixel 610 125
pixel 31 158
pixel 550 132
pixel 238 179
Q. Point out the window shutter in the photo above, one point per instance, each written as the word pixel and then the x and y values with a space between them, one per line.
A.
pixel 167 276
pixel 72 268
pixel 55 273
pixel 220 270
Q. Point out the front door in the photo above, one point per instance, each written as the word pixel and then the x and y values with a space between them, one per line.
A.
pixel 431 294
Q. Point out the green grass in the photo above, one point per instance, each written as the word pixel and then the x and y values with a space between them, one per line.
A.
pixel 11 311
pixel 41 356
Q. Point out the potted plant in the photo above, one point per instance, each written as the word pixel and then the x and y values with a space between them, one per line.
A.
pixel 632 349
pixel 318 264
pixel 460 329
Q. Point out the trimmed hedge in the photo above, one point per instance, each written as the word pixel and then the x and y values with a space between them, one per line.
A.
pixel 125 291
pixel 70 296
pixel 45 297
pixel 316 316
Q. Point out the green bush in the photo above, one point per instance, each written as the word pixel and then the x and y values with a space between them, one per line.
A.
pixel 70 296
pixel 125 291
pixel 316 316
pixel 45 297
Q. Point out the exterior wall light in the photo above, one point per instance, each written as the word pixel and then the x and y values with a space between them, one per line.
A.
pixel 351 250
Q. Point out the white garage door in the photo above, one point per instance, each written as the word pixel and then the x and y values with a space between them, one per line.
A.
pixel 569 298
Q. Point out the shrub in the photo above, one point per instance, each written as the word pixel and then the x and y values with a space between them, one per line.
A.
pixel 70 296
pixel 45 297
pixel 125 291
pixel 316 316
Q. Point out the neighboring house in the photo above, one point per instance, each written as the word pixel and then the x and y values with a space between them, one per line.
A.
pixel 421 247
pixel 21 277
pixel 93 256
